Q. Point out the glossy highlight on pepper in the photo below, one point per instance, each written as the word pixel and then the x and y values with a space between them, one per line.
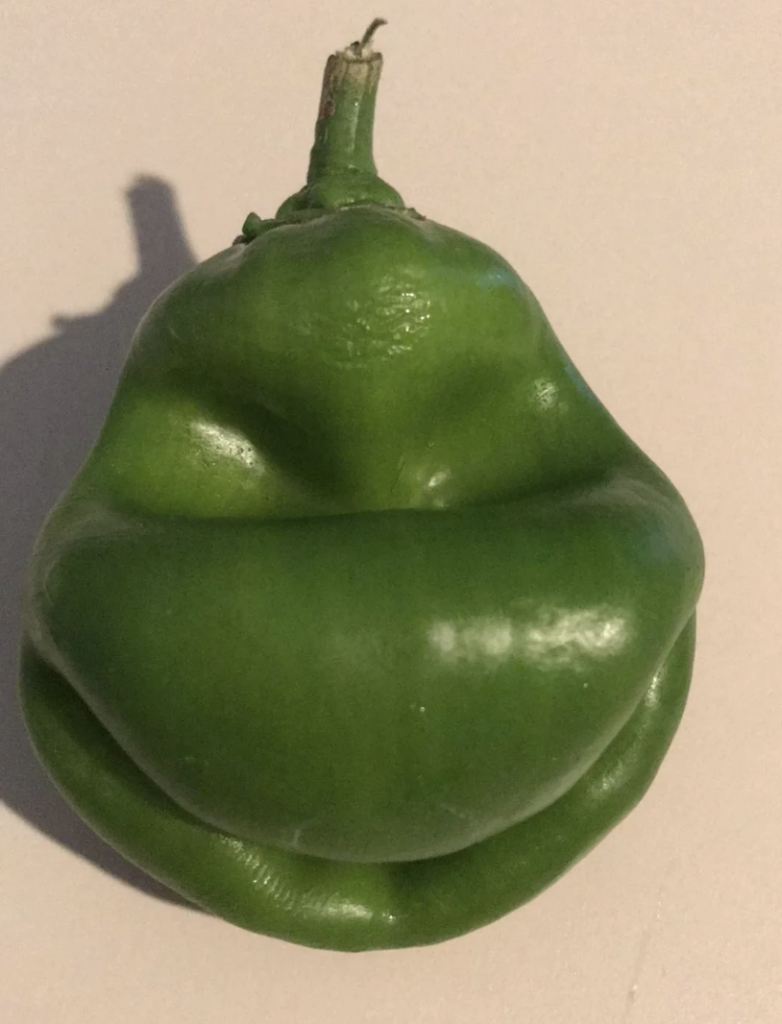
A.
pixel 364 620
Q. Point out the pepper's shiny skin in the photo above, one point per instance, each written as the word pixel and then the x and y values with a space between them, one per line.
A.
pixel 346 906
pixel 364 619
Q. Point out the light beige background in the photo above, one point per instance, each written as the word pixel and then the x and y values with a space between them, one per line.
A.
pixel 626 156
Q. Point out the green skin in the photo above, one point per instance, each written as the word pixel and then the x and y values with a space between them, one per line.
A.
pixel 364 620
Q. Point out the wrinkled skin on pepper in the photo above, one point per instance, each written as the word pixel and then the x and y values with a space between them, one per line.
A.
pixel 364 620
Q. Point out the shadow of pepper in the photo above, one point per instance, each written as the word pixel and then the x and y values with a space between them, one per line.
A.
pixel 53 400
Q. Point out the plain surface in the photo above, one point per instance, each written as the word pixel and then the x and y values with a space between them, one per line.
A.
pixel 625 157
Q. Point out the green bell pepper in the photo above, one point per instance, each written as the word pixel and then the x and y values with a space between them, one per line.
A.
pixel 363 620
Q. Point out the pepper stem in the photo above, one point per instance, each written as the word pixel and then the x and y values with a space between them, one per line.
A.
pixel 366 39
pixel 342 168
